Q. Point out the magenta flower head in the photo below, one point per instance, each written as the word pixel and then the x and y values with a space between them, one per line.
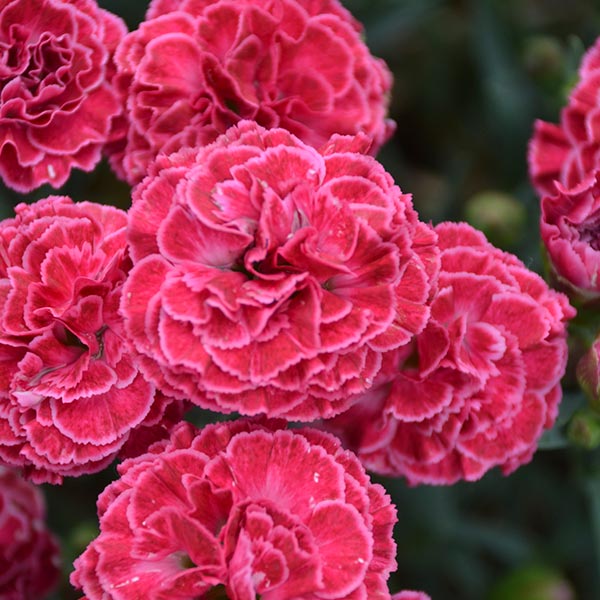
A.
pixel 481 382
pixel 570 151
pixel 570 229
pixel 29 555
pixel 195 67
pixel 241 510
pixel 69 391
pixel 270 277
pixel 57 103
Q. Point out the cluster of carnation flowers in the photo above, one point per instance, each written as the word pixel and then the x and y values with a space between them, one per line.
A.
pixel 564 165
pixel 268 267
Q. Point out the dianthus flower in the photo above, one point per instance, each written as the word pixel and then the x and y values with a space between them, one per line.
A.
pixel 57 103
pixel 69 390
pixel 195 67
pixel 570 228
pixel 29 556
pixel 269 277
pixel 570 151
pixel 479 384
pixel 241 510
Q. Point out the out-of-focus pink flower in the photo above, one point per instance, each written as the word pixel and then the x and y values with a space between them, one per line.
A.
pixel 570 228
pixel 269 277
pixel 57 103
pixel 70 392
pixel 196 67
pixel 570 151
pixel 29 556
pixel 248 509
pixel 479 384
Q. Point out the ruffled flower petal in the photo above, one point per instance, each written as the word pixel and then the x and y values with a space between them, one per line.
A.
pixel 262 286
pixel 245 509
pixel 479 384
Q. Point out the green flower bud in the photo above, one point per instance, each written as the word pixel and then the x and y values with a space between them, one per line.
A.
pixel 533 583
pixel 544 57
pixel 500 216
pixel 584 429
pixel 588 375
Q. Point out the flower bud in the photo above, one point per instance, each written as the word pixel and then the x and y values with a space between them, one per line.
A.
pixel 588 374
pixel 584 429
pixel 500 216
pixel 543 58
pixel 533 583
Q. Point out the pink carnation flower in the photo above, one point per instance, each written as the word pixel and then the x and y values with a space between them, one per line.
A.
pixel 239 510
pixel 570 228
pixel 410 595
pixel 570 151
pixel 56 100
pixel 269 277
pixel 479 384
pixel 69 391
pixel 196 67
pixel 29 556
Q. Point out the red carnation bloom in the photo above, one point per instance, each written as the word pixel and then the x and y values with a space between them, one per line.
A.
pixel 196 67
pixel 69 391
pixel 479 384
pixel 29 556
pixel 56 102
pixel 570 228
pixel 269 277
pixel 570 151
pixel 243 510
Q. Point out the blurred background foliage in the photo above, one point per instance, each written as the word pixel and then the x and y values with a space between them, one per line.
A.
pixel 470 78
